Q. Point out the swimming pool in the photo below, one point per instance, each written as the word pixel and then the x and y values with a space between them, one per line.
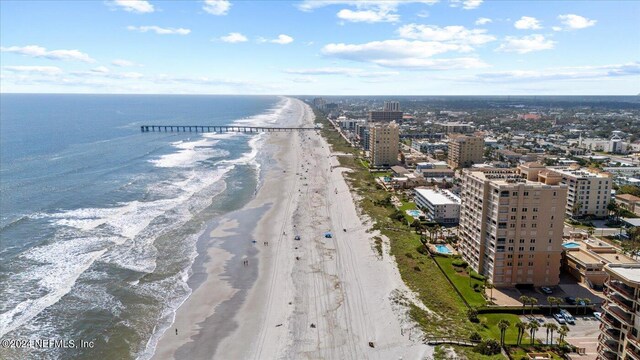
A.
pixel 571 245
pixel 443 249
pixel 415 213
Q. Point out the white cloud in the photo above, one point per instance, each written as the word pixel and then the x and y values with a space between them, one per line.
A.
pixel 434 64
pixel 483 21
pixel 368 16
pixel 310 5
pixel 423 14
pixel 123 63
pixel 137 6
pixel 160 30
pixel 369 11
pixel 575 22
pixel 453 34
pixel 466 4
pixel 526 44
pixel 354 72
pixel 556 28
pixel 404 54
pixel 216 7
pixel 282 39
pixel 44 70
pixel 100 69
pixel 567 73
pixel 234 37
pixel 41 52
pixel 527 23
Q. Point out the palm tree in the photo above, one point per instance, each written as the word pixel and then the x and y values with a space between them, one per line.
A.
pixel 552 301
pixel 591 230
pixel 579 302
pixel 587 303
pixel 489 286
pixel 503 324
pixel 551 327
pixel 548 327
pixel 524 300
pixel 522 327
pixel 533 301
pixel 533 327
pixel 563 331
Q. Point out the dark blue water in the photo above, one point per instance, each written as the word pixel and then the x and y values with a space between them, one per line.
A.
pixel 98 221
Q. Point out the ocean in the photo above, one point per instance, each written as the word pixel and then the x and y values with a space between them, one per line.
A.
pixel 99 222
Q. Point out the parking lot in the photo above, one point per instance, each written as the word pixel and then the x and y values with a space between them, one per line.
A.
pixel 568 287
pixel 584 334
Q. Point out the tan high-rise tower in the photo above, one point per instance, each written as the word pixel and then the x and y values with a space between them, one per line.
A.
pixel 511 227
pixel 384 141
pixel 465 151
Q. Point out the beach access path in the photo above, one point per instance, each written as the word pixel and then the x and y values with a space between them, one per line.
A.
pixel 313 298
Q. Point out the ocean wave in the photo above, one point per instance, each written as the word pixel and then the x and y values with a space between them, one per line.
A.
pixel 270 117
pixel 61 265
pixel 190 153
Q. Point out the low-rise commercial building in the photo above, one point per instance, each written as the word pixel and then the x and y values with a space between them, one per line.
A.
pixel 629 202
pixel 441 206
pixel 585 260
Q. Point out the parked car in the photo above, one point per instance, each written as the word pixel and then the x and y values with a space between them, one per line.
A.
pixel 297 237
pixel 559 318
pixel 568 317
pixel 598 315
pixel 570 300
pixel 546 290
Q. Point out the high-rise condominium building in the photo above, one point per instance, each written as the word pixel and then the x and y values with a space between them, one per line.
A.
pixel 465 151
pixel 384 141
pixel 391 106
pixel 620 329
pixel 589 192
pixel 511 227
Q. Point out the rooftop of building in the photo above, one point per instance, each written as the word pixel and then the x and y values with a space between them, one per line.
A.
pixel 580 173
pixel 630 272
pixel 504 177
pixel 439 197
pixel 628 197
pixel 593 251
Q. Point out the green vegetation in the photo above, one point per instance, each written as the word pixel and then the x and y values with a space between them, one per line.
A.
pixel 629 189
pixel 462 281
pixel 489 327
pixel 409 205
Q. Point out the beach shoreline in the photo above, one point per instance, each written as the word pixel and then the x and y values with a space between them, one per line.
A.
pixel 312 298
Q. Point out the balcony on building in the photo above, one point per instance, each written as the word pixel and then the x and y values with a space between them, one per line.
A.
pixel 618 313
pixel 622 288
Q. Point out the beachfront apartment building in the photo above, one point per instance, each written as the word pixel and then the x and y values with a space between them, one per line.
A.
pixel 384 140
pixel 441 206
pixel 464 150
pixel 620 329
pixel 589 192
pixel 511 228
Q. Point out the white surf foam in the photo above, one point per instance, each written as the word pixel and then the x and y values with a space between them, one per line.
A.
pixel 62 263
pixel 190 153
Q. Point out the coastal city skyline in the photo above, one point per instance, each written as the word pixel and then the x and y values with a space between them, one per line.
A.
pixel 446 47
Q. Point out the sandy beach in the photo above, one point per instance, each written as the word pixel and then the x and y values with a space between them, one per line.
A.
pixel 314 298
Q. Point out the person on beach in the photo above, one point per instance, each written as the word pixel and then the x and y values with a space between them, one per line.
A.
pixel 176 331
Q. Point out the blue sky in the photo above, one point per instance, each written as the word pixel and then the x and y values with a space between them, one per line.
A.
pixel 429 47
